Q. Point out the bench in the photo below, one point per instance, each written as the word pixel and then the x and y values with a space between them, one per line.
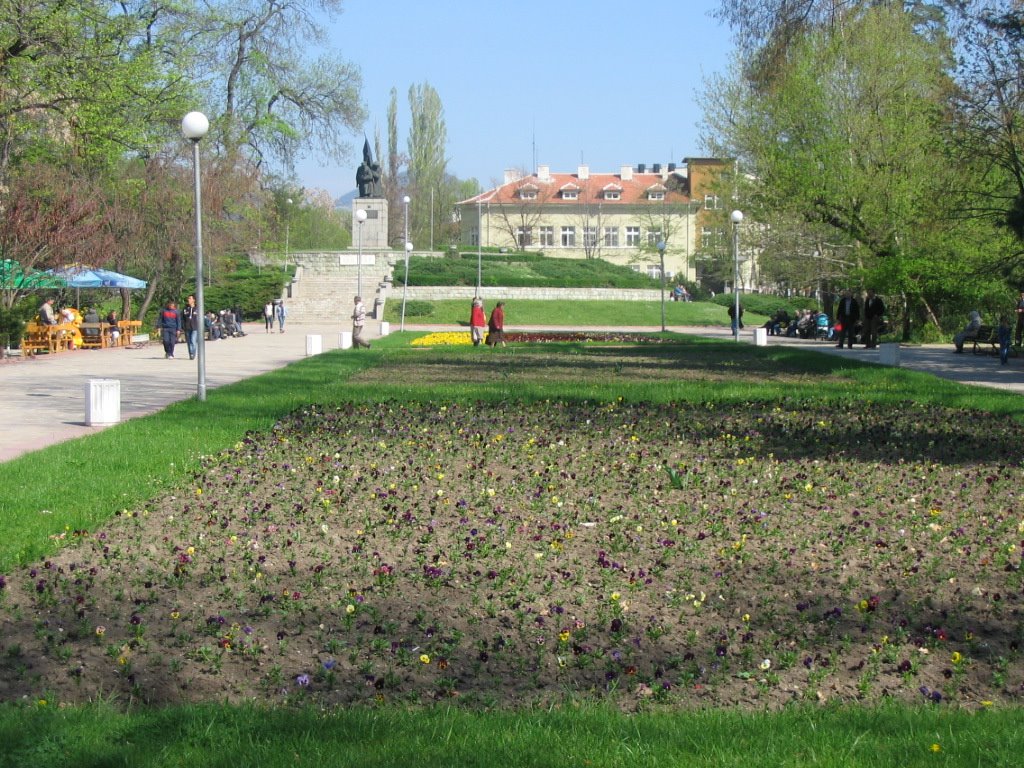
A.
pixel 47 338
pixel 986 341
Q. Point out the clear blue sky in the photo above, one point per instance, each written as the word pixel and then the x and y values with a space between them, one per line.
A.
pixel 602 82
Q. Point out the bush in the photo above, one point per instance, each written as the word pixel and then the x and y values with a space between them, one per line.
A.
pixel 248 288
pixel 417 308
pixel 12 321
pixel 524 270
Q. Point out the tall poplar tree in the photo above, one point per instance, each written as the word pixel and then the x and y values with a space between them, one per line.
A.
pixel 428 137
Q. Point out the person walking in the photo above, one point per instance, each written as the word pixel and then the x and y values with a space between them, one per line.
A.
pixel 1004 340
pixel 477 322
pixel 191 322
pixel 496 325
pixel 874 309
pixel 282 313
pixel 847 315
pixel 169 323
pixel 268 316
pixel 1020 319
pixel 358 321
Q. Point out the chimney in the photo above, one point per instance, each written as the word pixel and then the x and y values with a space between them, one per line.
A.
pixel 544 172
pixel 641 168
pixel 671 167
pixel 626 173
pixel 656 168
pixel 511 174
pixel 583 172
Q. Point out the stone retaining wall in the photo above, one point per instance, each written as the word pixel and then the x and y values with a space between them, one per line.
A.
pixel 424 293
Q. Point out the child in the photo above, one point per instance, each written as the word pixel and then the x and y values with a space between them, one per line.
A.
pixel 1004 340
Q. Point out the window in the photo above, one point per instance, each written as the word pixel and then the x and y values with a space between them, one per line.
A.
pixel 569 237
pixel 524 236
pixel 656 195
pixel 589 237
pixel 528 193
pixel 653 271
pixel 547 236
pixel 712 202
pixel 474 236
pixel 632 236
pixel 570 194
pixel 611 237
pixel 653 236
pixel 710 237
pixel 612 194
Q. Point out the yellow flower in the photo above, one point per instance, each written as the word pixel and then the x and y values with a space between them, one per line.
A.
pixel 101 631
pixel 936 748
pixel 564 635
pixel 425 659
pixel 957 657
pixel 350 609
pixel 616 595
pixel 175 615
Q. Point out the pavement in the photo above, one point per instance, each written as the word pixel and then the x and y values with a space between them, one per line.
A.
pixel 46 395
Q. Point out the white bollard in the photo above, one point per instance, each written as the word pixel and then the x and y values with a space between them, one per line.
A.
pixel 385 329
pixel 102 402
pixel 345 340
pixel 889 354
pixel 760 337
pixel 314 344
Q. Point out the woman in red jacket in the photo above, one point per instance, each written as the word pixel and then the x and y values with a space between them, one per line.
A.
pixel 496 325
pixel 477 322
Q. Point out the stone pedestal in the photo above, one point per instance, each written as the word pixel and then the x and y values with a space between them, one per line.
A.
pixel 314 344
pixel 102 402
pixel 889 354
pixel 385 328
pixel 345 340
pixel 372 233
pixel 760 337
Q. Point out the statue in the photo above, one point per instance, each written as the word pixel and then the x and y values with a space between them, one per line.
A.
pixel 368 175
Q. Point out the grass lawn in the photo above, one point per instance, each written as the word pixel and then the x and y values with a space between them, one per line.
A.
pixel 576 314
pixel 683 552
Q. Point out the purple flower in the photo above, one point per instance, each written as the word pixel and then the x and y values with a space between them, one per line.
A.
pixel 302 680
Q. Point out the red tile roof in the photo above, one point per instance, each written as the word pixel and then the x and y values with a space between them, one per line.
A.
pixel 591 190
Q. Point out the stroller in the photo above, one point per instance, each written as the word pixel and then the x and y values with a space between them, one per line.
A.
pixel 822 329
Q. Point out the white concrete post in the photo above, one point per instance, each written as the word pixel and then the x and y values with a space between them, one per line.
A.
pixel 314 344
pixel 102 402
pixel 385 328
pixel 889 354
pixel 760 337
pixel 345 340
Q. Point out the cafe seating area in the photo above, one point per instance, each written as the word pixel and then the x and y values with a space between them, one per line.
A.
pixel 63 337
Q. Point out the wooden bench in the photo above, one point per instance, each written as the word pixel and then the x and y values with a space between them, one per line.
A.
pixel 47 338
pixel 986 341
pixel 95 335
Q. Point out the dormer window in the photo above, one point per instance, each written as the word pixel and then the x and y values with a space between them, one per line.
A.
pixel 612 194
pixel 528 193
pixel 655 195
pixel 570 194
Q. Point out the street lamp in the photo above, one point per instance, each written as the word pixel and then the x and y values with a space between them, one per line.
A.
pixel 408 249
pixel 360 218
pixel 194 126
pixel 405 285
pixel 287 226
pixel 661 253
pixel 736 217
pixel 479 240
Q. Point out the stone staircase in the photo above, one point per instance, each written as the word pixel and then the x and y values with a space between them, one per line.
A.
pixel 325 284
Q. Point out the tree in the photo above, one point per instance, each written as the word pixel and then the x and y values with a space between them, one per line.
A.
pixel 428 137
pixel 268 99
pixel 850 136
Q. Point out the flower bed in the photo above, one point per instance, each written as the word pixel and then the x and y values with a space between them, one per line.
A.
pixel 507 555
pixel 462 338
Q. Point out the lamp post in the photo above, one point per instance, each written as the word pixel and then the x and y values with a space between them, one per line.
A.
pixel 360 218
pixel 661 254
pixel 287 227
pixel 194 126
pixel 405 285
pixel 408 250
pixel 479 241
pixel 736 217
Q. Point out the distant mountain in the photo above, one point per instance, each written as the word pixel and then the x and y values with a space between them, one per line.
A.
pixel 344 203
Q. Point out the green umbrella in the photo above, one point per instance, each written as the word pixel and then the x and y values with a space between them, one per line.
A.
pixel 13 277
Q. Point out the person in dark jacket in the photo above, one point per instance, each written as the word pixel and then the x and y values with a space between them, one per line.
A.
pixel 847 315
pixel 496 325
pixel 169 323
pixel 874 309
pixel 191 323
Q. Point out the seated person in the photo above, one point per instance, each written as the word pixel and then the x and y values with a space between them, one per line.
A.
pixel 213 326
pixel 91 317
pixel 113 330
pixel 969 332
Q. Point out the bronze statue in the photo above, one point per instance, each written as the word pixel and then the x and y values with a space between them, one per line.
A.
pixel 368 175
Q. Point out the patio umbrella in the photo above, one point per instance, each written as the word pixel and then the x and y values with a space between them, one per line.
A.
pixel 83 276
pixel 13 277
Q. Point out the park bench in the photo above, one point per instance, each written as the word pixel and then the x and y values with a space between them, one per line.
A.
pixel 47 338
pixel 986 341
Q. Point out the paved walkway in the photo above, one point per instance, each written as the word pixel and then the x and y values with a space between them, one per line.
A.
pixel 45 396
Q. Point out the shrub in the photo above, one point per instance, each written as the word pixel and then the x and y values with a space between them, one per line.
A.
pixel 418 308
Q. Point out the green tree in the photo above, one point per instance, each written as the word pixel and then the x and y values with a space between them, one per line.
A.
pixel 428 137
pixel 850 135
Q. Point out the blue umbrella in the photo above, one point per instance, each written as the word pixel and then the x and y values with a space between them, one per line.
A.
pixel 82 276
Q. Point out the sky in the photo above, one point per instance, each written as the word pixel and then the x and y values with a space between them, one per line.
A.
pixel 602 83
